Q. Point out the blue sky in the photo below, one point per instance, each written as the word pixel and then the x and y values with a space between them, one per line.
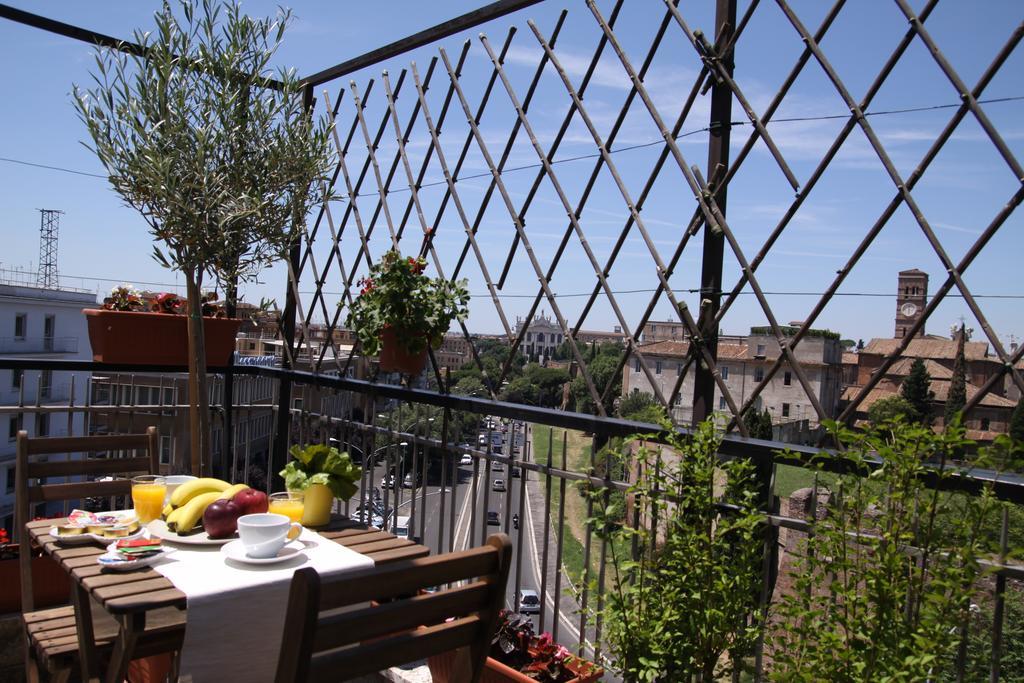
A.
pixel 961 192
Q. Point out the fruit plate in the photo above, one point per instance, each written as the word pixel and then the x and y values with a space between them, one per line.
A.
pixel 158 528
pixel 86 537
pixel 236 551
pixel 111 560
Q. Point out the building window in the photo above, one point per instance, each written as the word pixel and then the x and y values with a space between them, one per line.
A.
pixel 760 350
pixel 42 424
pixel 9 487
pixel 725 371
pixel 16 377
pixel 758 374
pixel 636 365
pixel 14 427
pixel 985 424
pixel 20 325
pixel 787 378
pixel 49 327
pixel 785 410
pixel 540 337
pixel 721 402
pixel 657 367
pixel 165 450
pixel 45 383
pixel 529 336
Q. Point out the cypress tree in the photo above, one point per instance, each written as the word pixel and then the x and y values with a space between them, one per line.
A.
pixel 957 398
pixel 917 390
pixel 1017 423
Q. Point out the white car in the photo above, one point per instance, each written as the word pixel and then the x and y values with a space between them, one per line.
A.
pixel 466 459
pixel 498 485
pixel 529 602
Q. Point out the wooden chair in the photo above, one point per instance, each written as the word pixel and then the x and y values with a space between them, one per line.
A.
pixel 54 643
pixel 395 628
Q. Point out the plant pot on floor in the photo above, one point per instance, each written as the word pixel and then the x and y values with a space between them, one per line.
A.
pixel 50 584
pixel 394 358
pixel 316 505
pixel 496 672
pixel 156 338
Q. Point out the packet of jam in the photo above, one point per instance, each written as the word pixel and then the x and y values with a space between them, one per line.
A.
pixel 138 543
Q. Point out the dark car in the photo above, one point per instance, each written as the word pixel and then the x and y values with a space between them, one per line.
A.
pixel 493 519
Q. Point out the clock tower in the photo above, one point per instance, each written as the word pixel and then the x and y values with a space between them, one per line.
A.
pixel 911 297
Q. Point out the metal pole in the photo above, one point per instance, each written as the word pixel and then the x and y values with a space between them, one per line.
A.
pixel 714 241
pixel 279 453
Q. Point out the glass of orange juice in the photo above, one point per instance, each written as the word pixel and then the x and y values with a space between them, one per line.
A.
pixel 148 493
pixel 287 503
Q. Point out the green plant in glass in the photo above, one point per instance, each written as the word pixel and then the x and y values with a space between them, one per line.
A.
pixel 883 584
pixel 397 296
pixel 684 584
pixel 319 464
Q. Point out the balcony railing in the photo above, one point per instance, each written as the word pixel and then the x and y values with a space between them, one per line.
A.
pixel 18 345
pixel 439 485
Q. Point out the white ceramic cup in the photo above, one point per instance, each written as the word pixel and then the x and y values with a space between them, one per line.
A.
pixel 264 534
pixel 174 481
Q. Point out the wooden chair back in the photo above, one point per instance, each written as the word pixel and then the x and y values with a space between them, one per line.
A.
pixel 28 490
pixel 401 623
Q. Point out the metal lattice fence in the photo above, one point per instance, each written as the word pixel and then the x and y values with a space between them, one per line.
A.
pixel 499 160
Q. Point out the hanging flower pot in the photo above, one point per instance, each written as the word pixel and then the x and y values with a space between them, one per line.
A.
pixel 400 312
pixel 394 357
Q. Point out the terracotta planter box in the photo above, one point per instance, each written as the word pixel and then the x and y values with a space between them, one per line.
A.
pixel 156 338
pixel 494 671
pixel 394 358
pixel 50 584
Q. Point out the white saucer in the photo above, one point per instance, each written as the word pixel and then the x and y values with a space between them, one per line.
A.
pixel 111 559
pixel 236 551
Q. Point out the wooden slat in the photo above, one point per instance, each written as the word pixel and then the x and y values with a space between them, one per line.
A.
pixel 372 657
pixel 408 577
pixel 136 588
pixel 391 617
pixel 171 597
pixel 363 537
pixel 94 466
pixel 409 553
pixel 385 544
pixel 91 444
pixel 83 489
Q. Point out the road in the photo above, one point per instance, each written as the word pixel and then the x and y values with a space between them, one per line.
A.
pixel 475 495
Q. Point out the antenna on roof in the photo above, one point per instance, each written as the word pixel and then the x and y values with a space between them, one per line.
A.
pixel 49 226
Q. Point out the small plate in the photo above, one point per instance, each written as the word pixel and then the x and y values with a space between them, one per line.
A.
pixel 236 551
pixel 81 539
pixel 111 560
pixel 158 528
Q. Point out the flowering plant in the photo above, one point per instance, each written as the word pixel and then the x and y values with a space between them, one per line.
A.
pixel 126 298
pixel 397 296
pixel 539 657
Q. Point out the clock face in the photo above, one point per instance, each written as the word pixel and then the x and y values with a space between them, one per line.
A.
pixel 908 309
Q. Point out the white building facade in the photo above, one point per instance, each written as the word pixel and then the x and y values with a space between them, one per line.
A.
pixel 37 324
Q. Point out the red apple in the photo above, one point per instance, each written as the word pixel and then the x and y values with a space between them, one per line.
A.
pixel 251 501
pixel 221 518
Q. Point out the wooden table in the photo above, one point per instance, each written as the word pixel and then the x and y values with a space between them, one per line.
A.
pixel 113 607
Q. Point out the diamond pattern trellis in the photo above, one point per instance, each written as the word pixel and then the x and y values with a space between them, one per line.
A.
pixel 436 152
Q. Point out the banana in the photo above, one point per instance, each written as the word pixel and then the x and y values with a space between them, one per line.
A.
pixel 192 513
pixel 189 490
pixel 168 509
pixel 230 493
pixel 173 517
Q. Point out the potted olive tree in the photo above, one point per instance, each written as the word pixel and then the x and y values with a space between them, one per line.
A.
pixel 221 160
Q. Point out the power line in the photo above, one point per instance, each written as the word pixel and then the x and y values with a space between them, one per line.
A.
pixel 627 148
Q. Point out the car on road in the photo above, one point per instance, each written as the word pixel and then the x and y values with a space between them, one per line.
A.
pixel 493 519
pixel 498 467
pixel 498 485
pixel 390 482
pixel 515 472
pixel 529 602
pixel 466 459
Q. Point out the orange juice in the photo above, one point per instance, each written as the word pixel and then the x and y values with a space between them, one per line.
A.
pixel 292 509
pixel 149 500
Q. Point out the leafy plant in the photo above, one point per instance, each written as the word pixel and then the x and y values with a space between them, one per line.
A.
pixel 515 645
pixel 127 298
pixel 881 587
pixel 222 163
pixel 397 296
pixel 319 464
pixel 688 594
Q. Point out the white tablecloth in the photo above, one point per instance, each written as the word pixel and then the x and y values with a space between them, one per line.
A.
pixel 235 616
